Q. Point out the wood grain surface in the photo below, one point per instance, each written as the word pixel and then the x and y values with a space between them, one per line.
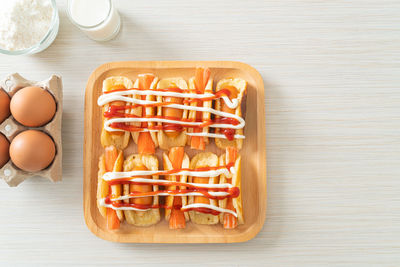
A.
pixel 331 71
pixel 253 154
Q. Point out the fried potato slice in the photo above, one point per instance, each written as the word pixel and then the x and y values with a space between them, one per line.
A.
pixel 205 159
pixel 103 189
pixel 119 139
pixel 166 142
pixel 236 181
pixel 241 86
pixel 102 186
pixel 142 218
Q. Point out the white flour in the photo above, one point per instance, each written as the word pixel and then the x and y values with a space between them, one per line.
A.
pixel 23 23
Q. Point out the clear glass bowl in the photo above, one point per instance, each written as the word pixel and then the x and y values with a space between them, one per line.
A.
pixel 46 41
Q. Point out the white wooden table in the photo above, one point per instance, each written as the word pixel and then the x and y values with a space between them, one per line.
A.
pixel 332 76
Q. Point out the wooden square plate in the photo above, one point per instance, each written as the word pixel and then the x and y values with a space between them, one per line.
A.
pixel 253 155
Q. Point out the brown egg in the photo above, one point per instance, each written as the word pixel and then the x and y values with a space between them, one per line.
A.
pixel 32 150
pixel 4 105
pixel 4 148
pixel 33 106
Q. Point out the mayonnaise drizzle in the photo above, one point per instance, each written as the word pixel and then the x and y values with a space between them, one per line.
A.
pixel 102 202
pixel 186 107
pixel 216 125
pixel 119 96
pixel 214 135
pixel 208 206
pixel 167 182
pixel 108 128
pixel 215 194
pixel 116 96
pixel 109 176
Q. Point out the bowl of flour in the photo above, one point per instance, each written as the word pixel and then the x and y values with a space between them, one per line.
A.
pixel 27 26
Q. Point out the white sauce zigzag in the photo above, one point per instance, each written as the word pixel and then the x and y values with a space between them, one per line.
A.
pixel 121 96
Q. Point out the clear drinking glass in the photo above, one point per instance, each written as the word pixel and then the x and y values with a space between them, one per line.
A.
pixel 104 30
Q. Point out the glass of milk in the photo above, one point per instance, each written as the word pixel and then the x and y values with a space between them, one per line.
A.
pixel 98 19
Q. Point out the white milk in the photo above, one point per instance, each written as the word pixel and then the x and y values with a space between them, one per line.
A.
pixel 98 19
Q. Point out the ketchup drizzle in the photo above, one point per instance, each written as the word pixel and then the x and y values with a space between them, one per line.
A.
pixel 119 111
pixel 233 192
pixel 173 172
pixel 158 206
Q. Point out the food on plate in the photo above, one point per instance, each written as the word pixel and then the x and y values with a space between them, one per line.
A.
pixel 176 159
pixel 206 214
pixel 232 159
pixel 201 83
pixel 111 161
pixel 32 150
pixel 184 115
pixel 33 106
pixel 234 90
pixel 113 132
pixel 196 199
pixel 128 199
pixel 142 188
pixel 145 211
pixel 135 112
pixel 169 114
pixel 172 133
pixel 4 105
pixel 146 141
pixel 4 150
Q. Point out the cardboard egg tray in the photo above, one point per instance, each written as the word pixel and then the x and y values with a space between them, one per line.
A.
pixel 11 174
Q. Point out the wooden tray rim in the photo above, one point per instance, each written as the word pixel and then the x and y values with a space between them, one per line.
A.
pixel 261 140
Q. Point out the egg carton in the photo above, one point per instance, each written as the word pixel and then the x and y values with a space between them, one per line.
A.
pixel 11 174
